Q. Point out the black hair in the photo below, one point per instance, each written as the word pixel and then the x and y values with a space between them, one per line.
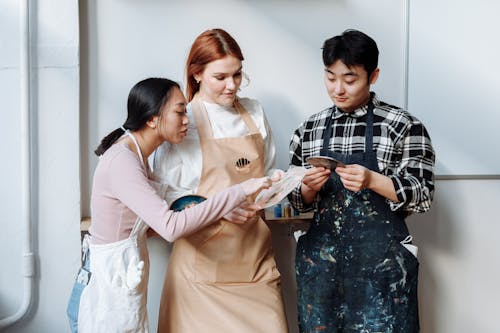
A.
pixel 352 48
pixel 145 100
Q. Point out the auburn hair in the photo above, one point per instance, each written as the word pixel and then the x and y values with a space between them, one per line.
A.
pixel 211 45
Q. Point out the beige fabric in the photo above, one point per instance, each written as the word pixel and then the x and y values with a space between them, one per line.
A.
pixel 223 278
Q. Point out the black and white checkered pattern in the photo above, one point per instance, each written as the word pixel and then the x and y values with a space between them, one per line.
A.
pixel 403 146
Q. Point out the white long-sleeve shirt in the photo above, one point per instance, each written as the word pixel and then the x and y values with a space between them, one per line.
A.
pixel 179 165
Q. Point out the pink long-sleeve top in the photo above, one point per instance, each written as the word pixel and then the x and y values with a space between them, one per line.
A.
pixel 122 192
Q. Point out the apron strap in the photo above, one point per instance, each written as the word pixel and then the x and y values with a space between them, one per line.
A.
pixel 369 128
pixel 328 132
pixel 246 117
pixel 201 120
pixel 203 123
pixel 139 152
pixel 139 226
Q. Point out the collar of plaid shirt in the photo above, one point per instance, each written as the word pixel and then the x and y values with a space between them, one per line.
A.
pixel 359 112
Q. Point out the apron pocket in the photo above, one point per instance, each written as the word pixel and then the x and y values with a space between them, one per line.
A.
pixel 125 273
pixel 245 164
pixel 235 254
pixel 407 258
pixel 406 243
pixel 395 269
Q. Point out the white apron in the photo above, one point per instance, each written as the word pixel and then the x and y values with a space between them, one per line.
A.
pixel 115 299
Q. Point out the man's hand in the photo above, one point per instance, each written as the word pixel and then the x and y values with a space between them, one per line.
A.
pixel 312 182
pixel 354 177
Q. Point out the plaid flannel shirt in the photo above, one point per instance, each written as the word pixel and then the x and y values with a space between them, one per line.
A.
pixel 403 147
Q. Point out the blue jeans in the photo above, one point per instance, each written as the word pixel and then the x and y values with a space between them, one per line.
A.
pixel 81 282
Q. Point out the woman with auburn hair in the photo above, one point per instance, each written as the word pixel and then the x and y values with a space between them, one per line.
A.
pixel 223 278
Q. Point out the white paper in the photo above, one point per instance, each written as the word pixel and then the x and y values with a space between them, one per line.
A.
pixel 273 195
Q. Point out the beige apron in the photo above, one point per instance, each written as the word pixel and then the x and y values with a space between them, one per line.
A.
pixel 223 278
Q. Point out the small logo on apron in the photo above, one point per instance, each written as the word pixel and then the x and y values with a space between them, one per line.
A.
pixel 241 163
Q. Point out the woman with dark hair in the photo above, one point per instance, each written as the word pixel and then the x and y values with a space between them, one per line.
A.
pixel 223 278
pixel 125 203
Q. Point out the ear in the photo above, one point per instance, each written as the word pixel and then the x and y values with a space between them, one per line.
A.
pixel 197 77
pixel 374 76
pixel 152 122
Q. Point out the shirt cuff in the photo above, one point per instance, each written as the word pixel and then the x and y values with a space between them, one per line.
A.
pixel 400 193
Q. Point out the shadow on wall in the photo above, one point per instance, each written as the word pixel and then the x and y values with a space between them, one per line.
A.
pixel 88 119
pixel 284 246
pixel 435 234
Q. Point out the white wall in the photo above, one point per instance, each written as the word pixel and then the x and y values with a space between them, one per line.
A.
pixel 125 41
pixel 454 53
pixel 280 40
pixel 10 191
pixel 459 258
pixel 55 161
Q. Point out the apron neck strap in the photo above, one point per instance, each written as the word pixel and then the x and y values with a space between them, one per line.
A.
pixel 201 120
pixel 246 117
pixel 369 128
pixel 328 132
pixel 140 227
pixel 139 152
pixel 203 123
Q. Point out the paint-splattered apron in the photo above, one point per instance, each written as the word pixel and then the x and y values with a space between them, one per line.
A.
pixel 353 273
pixel 223 278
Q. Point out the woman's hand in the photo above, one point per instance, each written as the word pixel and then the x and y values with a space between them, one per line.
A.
pixel 246 212
pixel 277 175
pixel 255 185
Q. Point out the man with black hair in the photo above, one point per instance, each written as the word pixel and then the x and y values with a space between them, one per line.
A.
pixel 356 267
